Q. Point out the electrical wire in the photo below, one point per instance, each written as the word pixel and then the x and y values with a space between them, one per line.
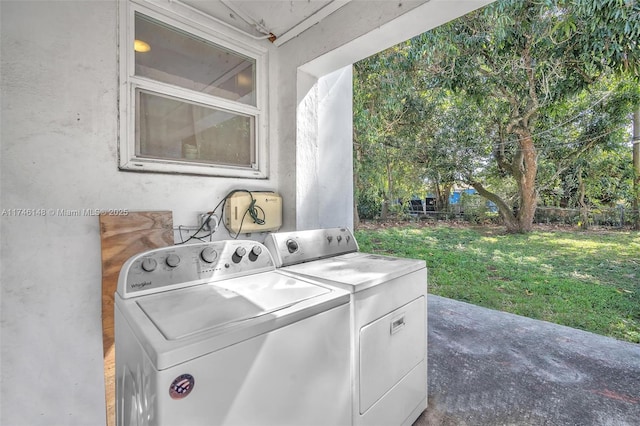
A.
pixel 201 227
pixel 220 21
pixel 195 235
pixel 248 19
pixel 254 211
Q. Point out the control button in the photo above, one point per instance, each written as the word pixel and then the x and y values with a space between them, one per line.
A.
pixel 339 238
pixel 149 264
pixel 238 254
pixel 173 260
pixel 255 252
pixel 208 254
pixel 329 239
pixel 292 246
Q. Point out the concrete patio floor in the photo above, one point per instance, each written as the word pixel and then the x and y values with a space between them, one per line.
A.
pixel 488 367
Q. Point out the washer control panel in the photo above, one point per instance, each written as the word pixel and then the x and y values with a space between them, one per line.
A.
pixel 185 265
pixel 289 248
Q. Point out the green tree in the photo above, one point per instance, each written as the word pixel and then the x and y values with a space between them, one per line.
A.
pixel 507 99
pixel 388 127
pixel 520 61
pixel 614 26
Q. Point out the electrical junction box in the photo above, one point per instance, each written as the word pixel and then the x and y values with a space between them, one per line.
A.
pixel 267 208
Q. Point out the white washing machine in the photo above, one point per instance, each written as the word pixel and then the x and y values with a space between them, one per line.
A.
pixel 213 334
pixel 388 318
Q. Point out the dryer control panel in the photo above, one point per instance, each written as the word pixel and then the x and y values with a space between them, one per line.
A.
pixel 290 248
pixel 180 266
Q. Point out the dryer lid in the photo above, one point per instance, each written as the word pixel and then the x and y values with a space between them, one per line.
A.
pixel 185 312
pixel 358 270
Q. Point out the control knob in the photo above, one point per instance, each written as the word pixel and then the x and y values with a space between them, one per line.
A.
pixel 173 260
pixel 208 254
pixel 149 264
pixel 255 252
pixel 292 246
pixel 238 254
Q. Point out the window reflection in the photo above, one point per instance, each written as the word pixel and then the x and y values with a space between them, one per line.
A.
pixel 184 60
pixel 172 129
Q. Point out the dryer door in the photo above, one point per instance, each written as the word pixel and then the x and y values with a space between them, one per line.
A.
pixel 390 347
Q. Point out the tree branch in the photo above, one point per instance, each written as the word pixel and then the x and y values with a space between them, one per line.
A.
pixel 504 209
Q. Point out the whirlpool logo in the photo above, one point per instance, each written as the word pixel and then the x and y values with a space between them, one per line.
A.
pixel 143 284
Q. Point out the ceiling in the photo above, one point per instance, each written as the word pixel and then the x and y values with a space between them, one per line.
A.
pixel 281 20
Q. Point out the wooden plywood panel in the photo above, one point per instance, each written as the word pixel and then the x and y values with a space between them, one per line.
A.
pixel 122 237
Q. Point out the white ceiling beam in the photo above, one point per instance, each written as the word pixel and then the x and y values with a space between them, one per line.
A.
pixel 318 16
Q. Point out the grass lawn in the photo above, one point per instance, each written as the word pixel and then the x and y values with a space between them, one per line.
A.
pixel 587 280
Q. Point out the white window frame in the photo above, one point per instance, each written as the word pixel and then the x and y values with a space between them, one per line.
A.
pixel 129 83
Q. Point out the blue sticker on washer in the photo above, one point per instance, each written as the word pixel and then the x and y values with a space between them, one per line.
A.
pixel 181 386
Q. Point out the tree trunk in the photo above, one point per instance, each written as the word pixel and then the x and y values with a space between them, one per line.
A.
pixel 356 216
pixel 358 154
pixel 525 171
pixel 636 169
pixel 442 197
pixel 388 195
pixel 384 210
pixel 505 211
pixel 584 214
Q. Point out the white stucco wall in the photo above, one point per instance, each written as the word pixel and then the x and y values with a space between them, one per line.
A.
pixel 59 151
pixel 324 189
pixel 59 90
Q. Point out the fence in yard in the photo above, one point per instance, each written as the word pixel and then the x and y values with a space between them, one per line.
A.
pixel 614 217
pixel 617 217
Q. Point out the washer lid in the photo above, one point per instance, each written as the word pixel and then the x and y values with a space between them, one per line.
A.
pixel 357 271
pixel 181 313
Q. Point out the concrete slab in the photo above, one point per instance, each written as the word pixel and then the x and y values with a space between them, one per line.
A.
pixel 493 368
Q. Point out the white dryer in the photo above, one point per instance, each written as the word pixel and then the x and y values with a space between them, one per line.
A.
pixel 213 334
pixel 388 318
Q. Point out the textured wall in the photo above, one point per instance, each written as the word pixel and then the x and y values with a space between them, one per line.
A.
pixel 59 152
pixel 324 191
pixel 58 138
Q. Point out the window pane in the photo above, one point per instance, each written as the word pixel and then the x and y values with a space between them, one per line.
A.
pixel 171 129
pixel 169 55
